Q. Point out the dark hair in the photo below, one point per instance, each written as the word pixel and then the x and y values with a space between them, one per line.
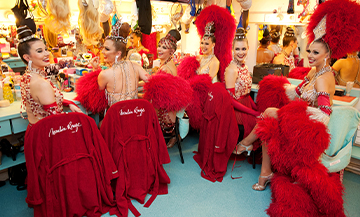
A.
pixel 24 47
pixel 175 33
pixel 289 36
pixel 325 45
pixel 275 36
pixel 119 44
pixel 212 32
pixel 137 32
pixel 240 35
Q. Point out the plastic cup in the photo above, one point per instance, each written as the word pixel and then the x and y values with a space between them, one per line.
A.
pixel 349 86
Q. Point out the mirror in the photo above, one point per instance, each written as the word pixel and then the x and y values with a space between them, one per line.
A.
pixel 299 34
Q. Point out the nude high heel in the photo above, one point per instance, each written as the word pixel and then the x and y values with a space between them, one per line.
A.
pixel 247 148
pixel 258 187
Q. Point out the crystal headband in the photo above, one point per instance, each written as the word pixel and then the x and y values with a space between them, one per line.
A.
pixel 25 30
pixel 208 27
pixel 240 35
pixel 27 38
pixel 170 41
pixel 115 33
pixel 320 29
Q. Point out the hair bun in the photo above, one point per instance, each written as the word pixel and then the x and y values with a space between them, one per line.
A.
pixel 274 33
pixel 240 33
pixel 23 32
pixel 124 30
pixel 289 32
pixel 175 33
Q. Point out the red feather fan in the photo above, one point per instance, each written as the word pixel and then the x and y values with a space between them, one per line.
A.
pixel 224 33
pixel 200 85
pixel 187 67
pixel 168 92
pixel 272 92
pixel 88 93
pixel 299 72
pixel 149 41
pixel 342 26
pixel 295 143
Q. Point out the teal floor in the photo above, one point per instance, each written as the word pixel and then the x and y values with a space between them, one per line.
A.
pixel 192 196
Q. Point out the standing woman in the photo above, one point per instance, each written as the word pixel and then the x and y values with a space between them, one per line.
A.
pixel 238 82
pixel 209 64
pixel 166 49
pixel 286 57
pixel 135 41
pixel 40 98
pixel 274 43
pixel 120 81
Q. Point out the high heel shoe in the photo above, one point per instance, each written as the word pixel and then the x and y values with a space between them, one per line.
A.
pixel 248 148
pixel 258 187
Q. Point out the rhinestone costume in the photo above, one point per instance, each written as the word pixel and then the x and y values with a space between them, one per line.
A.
pixel 243 82
pixel 28 102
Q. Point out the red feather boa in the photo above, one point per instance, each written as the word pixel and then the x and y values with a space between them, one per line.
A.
pixel 299 72
pixel 149 41
pixel 224 33
pixel 342 26
pixel 168 92
pixel 272 92
pixel 295 143
pixel 200 85
pixel 187 67
pixel 88 93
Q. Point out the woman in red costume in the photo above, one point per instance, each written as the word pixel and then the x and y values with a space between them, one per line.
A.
pixel 318 87
pixel 135 41
pixel 286 57
pixel 238 83
pixel 120 81
pixel 209 64
pixel 40 98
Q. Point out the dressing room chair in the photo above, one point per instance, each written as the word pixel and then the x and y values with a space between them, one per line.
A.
pixel 134 137
pixel 343 124
pixel 69 167
pixel 168 136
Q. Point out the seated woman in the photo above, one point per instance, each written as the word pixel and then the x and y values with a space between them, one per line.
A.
pixel 135 41
pixel 274 43
pixel 238 82
pixel 40 98
pixel 209 64
pixel 348 70
pixel 120 81
pixel 264 54
pixel 286 56
pixel 166 49
pixel 317 90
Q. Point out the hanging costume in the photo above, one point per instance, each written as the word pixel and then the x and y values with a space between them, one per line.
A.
pixel 218 134
pixel 132 132
pixel 69 167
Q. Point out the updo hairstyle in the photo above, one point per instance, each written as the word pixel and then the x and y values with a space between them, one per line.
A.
pixel 289 36
pixel 275 36
pixel 120 44
pixel 137 32
pixel 25 46
pixel 240 35
pixel 266 38
pixel 176 34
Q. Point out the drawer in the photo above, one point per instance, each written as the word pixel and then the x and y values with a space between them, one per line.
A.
pixel 19 125
pixel 5 128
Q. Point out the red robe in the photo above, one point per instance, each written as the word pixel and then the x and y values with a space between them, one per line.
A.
pixel 69 167
pixel 133 134
pixel 218 134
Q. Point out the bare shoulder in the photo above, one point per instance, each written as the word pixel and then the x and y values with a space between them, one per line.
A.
pixel 40 84
pixel 325 82
pixel 231 69
pixel 279 59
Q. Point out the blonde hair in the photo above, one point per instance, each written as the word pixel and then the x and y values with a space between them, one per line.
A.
pixel 58 20
pixel 89 23
pixel 50 37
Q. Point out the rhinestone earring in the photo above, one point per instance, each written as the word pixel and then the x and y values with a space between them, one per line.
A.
pixel 116 59
pixel 29 65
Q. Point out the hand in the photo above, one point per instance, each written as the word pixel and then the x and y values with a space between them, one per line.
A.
pixel 74 108
pixel 95 62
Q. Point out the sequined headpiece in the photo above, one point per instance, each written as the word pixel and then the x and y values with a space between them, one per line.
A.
pixel 240 34
pixel 169 41
pixel 208 28
pixel 289 32
pixel 137 31
pixel 115 33
pixel 320 29
pixel 23 29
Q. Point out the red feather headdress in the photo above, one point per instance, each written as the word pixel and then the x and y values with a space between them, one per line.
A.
pixel 224 33
pixel 337 22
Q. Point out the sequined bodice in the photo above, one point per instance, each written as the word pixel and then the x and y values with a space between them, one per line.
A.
pixel 308 91
pixel 28 102
pixel 205 68
pixel 243 82
pixel 127 91
pixel 289 61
